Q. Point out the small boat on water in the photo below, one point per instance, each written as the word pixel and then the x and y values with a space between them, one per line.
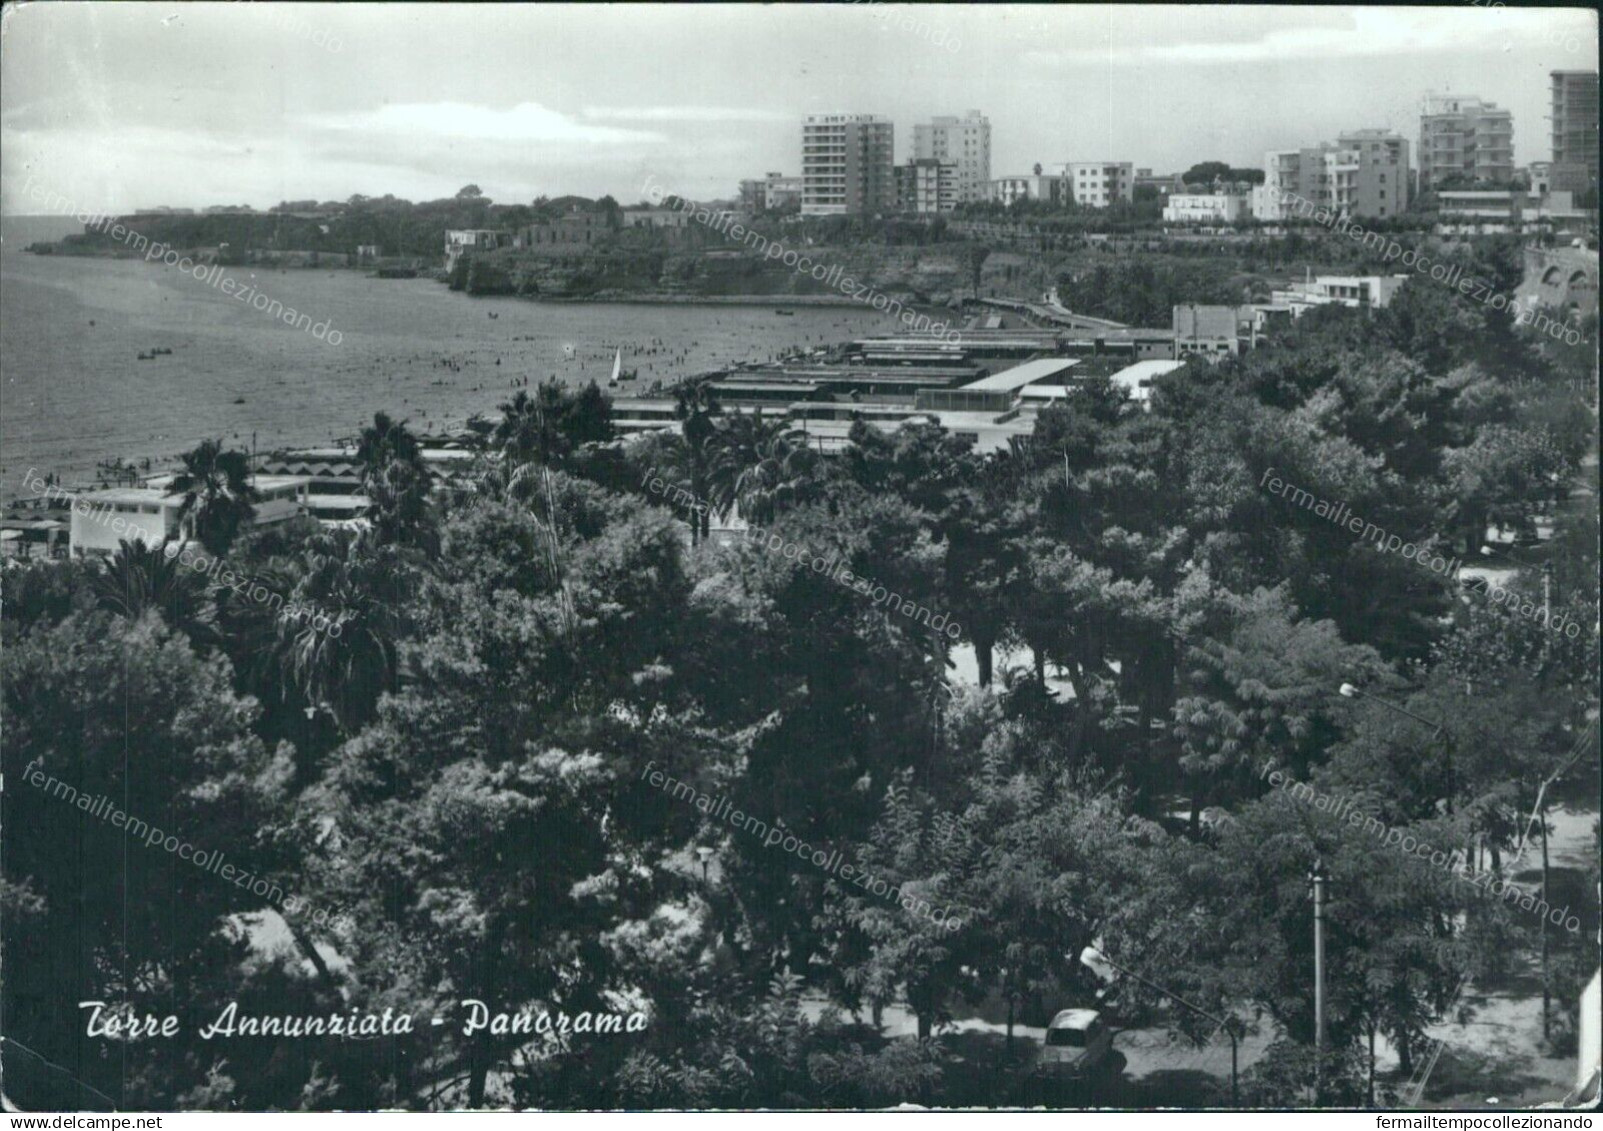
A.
pixel 619 373
pixel 786 313
pixel 146 356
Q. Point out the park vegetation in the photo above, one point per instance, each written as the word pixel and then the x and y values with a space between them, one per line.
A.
pixel 460 778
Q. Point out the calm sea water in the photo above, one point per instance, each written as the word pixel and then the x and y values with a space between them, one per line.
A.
pixel 72 391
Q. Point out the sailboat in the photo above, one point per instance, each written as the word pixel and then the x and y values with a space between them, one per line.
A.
pixel 617 367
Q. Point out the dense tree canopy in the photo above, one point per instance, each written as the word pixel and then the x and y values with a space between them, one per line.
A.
pixel 467 773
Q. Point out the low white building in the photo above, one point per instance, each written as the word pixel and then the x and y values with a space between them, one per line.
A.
pixel 1037 186
pixel 458 241
pixel 1137 379
pixel 1374 291
pixel 150 514
pixel 1206 208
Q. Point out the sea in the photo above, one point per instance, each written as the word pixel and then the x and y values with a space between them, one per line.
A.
pixel 73 392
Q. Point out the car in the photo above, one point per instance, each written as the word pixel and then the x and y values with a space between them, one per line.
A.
pixel 1077 1044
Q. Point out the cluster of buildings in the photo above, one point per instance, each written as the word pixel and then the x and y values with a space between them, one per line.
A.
pixel 849 167
pixel 990 384
pixel 1465 147
pixel 848 164
pixel 323 483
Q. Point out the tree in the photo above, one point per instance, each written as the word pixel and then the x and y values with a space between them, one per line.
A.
pixel 1258 687
pixel 397 481
pixel 695 406
pixel 915 869
pixel 218 496
pixel 126 718
pixel 346 654
pixel 761 468
pixel 521 734
pixel 974 257
pixel 1393 958
pixel 1205 173
pixel 138 579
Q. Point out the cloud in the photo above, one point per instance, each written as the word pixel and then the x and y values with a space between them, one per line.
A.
pixel 685 114
pixel 460 121
pixel 1363 34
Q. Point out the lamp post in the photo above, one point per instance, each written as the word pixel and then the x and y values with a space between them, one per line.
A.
pixel 1319 879
pixel 1091 958
pixel 1438 729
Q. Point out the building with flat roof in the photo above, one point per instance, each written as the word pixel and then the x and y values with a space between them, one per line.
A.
pixel 1574 124
pixel 460 241
pixel 150 514
pixel 998 392
pixel 1365 173
pixel 1360 291
pixel 772 190
pixel 1137 379
pixel 1098 184
pixel 1462 138
pixel 1048 187
pixel 848 163
pixel 1206 208
pixel 1213 331
pixel 926 185
pixel 965 144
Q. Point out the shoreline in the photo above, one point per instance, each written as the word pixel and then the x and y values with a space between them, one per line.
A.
pixel 644 298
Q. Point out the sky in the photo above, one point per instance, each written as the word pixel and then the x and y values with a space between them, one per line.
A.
pixel 118 106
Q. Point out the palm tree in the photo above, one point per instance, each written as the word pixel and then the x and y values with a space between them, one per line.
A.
pixel 397 480
pixel 550 425
pixel 759 468
pixel 347 655
pixel 695 406
pixel 138 579
pixel 525 431
pixel 218 496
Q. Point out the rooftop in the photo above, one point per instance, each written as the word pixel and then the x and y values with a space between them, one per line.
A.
pixel 1139 377
pixel 1041 369
pixel 142 496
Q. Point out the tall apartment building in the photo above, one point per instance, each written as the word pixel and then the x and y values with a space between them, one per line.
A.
pixel 964 142
pixel 1463 137
pixel 926 185
pixel 1363 173
pixel 1574 130
pixel 848 164
pixel 1097 184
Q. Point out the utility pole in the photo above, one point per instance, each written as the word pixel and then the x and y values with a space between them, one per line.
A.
pixel 1318 877
pixel 1547 986
pixel 1541 801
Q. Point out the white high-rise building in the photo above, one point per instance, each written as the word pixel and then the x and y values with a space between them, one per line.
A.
pixel 847 166
pixel 963 142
